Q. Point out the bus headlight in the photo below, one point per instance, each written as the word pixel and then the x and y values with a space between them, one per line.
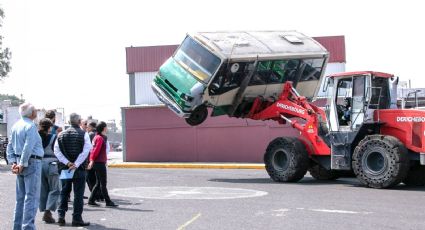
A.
pixel 186 97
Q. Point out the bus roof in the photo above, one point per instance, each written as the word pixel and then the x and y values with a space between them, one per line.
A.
pixel 250 45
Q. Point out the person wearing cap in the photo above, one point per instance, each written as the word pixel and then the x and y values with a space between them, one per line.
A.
pixel 24 153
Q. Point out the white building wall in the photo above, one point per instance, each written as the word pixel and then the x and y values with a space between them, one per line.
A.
pixel 334 68
pixel 12 116
pixel 143 91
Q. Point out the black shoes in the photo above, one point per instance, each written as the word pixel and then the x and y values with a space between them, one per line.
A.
pixel 61 221
pixel 80 223
pixel 48 218
pixel 75 223
pixel 111 204
pixel 93 204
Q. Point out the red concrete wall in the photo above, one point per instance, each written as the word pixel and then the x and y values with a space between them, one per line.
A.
pixel 155 134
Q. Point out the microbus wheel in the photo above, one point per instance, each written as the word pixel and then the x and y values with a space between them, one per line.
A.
pixel 415 176
pixel 320 173
pixel 198 116
pixel 286 159
pixel 380 161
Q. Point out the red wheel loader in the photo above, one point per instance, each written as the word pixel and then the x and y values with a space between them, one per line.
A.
pixel 360 129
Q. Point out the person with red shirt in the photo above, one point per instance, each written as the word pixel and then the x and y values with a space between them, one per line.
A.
pixel 98 161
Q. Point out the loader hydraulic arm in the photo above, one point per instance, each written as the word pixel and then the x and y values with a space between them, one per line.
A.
pixel 291 105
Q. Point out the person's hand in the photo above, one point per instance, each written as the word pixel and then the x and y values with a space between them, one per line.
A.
pixel 14 168
pixel 20 169
pixel 17 169
pixel 71 166
pixel 90 166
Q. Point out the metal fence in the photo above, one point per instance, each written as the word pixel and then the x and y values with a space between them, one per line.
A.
pixel 411 98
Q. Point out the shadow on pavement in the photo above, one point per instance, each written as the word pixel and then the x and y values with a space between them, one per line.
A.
pixel 132 209
pixel 245 180
pixel 305 181
pixel 125 202
pixel 98 226
pixel 91 226
pixel 352 182
pixel 121 204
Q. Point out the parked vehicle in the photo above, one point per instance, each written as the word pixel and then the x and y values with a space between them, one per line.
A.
pixel 3 147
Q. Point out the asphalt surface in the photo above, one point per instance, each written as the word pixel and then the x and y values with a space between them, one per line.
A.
pixel 237 199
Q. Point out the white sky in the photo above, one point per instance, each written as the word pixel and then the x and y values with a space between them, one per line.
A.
pixel 71 54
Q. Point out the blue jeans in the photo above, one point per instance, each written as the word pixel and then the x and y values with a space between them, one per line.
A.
pixel 50 189
pixel 27 196
pixel 79 182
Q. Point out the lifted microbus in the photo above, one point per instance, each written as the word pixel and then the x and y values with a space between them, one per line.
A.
pixel 228 70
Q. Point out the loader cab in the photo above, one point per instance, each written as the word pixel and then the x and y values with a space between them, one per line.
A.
pixel 353 97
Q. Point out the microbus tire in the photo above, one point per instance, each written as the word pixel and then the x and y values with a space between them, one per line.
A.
pixel 380 161
pixel 415 176
pixel 320 173
pixel 198 116
pixel 286 159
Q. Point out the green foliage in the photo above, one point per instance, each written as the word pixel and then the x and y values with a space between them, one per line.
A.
pixel 5 53
pixel 14 99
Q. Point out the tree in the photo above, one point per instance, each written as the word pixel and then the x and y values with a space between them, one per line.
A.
pixel 14 99
pixel 5 53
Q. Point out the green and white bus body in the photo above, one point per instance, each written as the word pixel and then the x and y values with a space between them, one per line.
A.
pixel 227 70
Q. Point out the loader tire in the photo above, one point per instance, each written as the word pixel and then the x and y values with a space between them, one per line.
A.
pixel 415 176
pixel 320 173
pixel 198 116
pixel 286 159
pixel 380 161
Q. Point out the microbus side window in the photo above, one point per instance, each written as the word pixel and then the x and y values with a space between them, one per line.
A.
pixel 229 77
pixel 275 72
pixel 312 69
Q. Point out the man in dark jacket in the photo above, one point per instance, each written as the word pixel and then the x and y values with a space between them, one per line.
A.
pixel 72 148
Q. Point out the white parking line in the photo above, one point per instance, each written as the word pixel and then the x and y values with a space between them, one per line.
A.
pixel 189 222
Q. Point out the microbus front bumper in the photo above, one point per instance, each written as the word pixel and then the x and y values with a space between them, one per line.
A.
pixel 164 98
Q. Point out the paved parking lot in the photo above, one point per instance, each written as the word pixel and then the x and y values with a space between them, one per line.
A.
pixel 237 199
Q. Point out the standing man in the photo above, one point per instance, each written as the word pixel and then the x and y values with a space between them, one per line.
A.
pixel 25 152
pixel 72 149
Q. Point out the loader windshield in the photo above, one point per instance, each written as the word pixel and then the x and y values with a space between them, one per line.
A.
pixel 197 60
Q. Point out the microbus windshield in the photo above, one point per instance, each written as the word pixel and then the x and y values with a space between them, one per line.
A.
pixel 197 60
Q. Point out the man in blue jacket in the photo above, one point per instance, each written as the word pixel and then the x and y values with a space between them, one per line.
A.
pixel 24 153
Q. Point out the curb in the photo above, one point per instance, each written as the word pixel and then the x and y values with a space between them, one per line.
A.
pixel 187 165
